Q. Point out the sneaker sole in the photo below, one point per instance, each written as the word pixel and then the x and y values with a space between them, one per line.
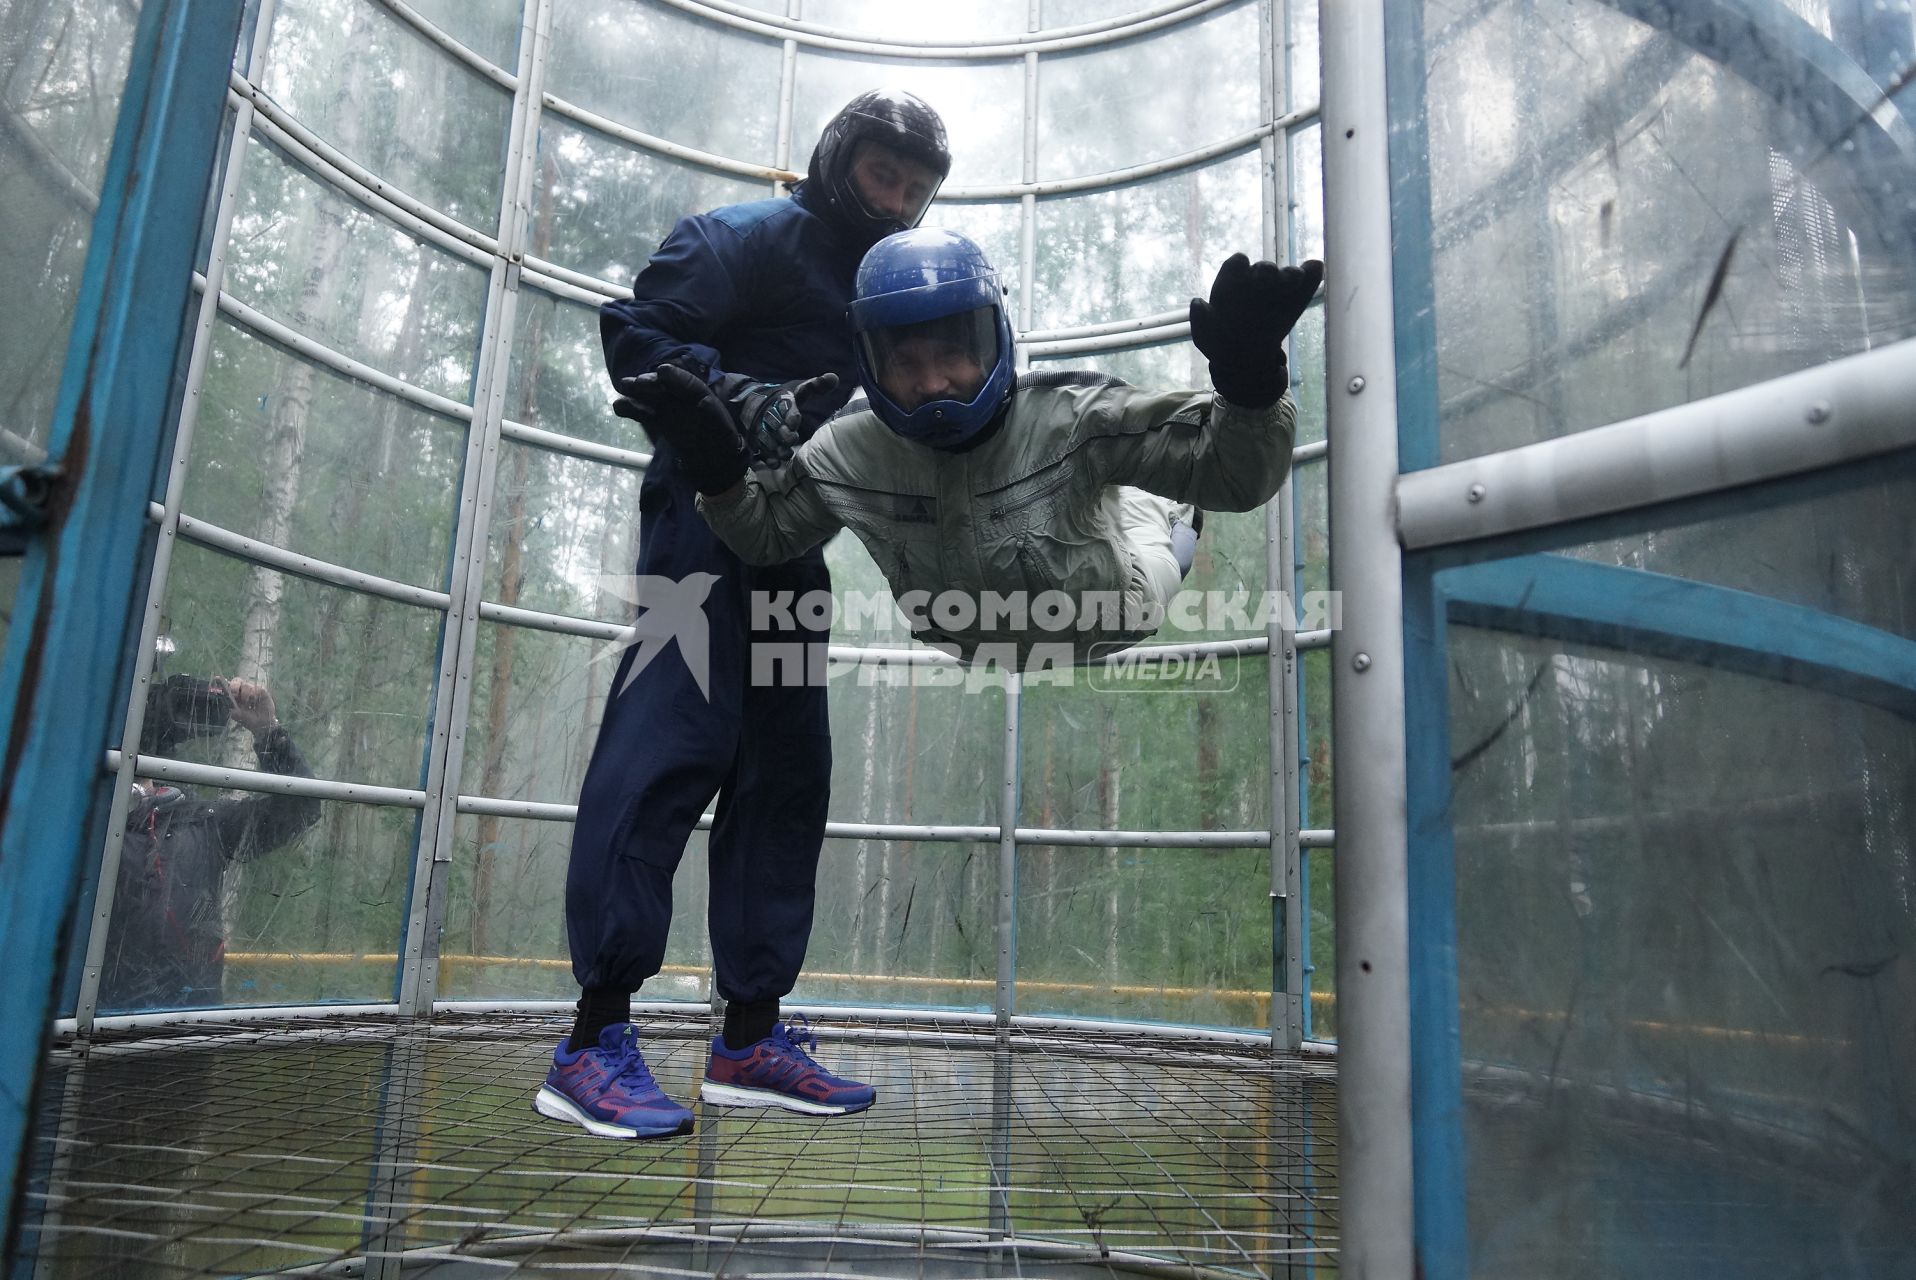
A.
pixel 731 1095
pixel 556 1106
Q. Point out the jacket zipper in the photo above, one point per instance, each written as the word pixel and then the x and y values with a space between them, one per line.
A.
pixel 1056 483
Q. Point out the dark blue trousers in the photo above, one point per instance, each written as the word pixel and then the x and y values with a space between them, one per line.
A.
pixel 665 750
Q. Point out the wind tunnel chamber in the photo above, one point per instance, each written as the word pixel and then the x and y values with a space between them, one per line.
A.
pixel 1064 923
pixel 1621 504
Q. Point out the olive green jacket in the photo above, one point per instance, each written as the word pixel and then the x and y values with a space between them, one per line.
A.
pixel 1027 511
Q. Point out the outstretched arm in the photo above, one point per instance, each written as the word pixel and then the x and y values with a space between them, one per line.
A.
pixel 1235 453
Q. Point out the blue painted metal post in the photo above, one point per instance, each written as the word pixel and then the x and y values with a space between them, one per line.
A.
pixel 72 612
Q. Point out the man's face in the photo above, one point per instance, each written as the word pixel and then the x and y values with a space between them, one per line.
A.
pixel 890 184
pixel 923 368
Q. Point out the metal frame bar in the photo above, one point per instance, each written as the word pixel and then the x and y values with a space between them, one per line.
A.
pixel 1374 1112
pixel 325 161
pixel 67 647
pixel 1290 1015
pixel 299 344
pixel 1843 411
pixel 418 978
pixel 224 778
pixel 472 58
pixel 207 534
pixel 1109 31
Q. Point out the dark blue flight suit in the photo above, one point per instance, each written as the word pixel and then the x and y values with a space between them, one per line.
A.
pixel 759 289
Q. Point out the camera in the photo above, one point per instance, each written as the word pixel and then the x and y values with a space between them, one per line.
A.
pixel 182 707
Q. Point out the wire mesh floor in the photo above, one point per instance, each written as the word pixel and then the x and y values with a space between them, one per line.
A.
pixel 368 1147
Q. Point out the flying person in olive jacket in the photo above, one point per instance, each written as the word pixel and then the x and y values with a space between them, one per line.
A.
pixel 964 478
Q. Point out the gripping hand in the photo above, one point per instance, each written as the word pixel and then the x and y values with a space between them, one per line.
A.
pixel 1241 329
pixel 674 404
pixel 776 417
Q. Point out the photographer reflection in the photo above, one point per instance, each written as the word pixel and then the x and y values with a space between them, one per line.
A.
pixel 166 947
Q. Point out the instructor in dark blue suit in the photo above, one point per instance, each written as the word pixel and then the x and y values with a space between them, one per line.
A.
pixel 753 297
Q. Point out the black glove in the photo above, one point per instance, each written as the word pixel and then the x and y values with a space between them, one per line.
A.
pixel 1242 328
pixel 776 417
pixel 676 404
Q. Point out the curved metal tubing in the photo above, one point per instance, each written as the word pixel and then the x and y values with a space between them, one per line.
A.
pixel 207 534
pixel 279 784
pixel 1848 409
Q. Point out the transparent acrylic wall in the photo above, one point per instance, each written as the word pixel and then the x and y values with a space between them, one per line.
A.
pixel 403 507
pixel 1627 214
pixel 1681 867
pixel 60 81
pixel 1684 892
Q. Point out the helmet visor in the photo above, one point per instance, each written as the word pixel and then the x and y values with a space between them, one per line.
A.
pixel 948 358
pixel 891 186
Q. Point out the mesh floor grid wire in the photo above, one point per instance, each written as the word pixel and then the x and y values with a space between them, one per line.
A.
pixel 368 1146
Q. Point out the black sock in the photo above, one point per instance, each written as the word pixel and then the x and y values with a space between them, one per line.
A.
pixel 599 1008
pixel 748 1022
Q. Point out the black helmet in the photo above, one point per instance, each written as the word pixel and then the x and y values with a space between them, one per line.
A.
pixel 893 118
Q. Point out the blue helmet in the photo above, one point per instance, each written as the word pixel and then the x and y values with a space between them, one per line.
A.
pixel 933 342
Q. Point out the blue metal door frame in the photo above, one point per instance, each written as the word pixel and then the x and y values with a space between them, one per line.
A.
pixel 83 529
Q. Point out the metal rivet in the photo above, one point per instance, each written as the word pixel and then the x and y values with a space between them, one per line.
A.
pixel 1357 384
pixel 1476 493
pixel 1818 412
pixel 1361 662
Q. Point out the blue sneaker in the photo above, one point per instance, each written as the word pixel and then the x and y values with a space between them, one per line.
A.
pixel 608 1090
pixel 775 1072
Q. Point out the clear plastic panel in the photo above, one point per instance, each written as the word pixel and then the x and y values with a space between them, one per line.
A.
pixel 1184 749
pixel 490 28
pixel 505 917
pixel 981 103
pixel 915 744
pixel 1146 248
pixel 1310 503
pixel 1321 980
pixel 602 206
pixel 1626 217
pixel 298 456
pixel 949 23
pixel 537 699
pixel 1071 13
pixel 65 69
pixel 350 675
pixel 564 534
pixel 1159 935
pixel 1306 81
pixel 903 922
pixel 330 269
pixel 393 101
pixel 1307 193
pixel 997 229
pixel 1307 375
pixel 666 73
pixel 1850 558
pixel 1683 895
pixel 236 898
pixel 1113 106
pixel 557 380
pixel 1166 367
pixel 1319 764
